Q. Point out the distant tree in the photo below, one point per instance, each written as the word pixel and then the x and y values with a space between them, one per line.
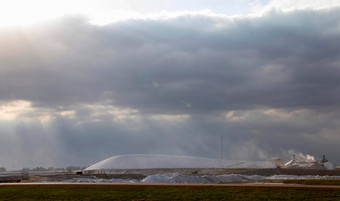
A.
pixel 38 169
pixel 72 168
pixel 2 169
pixel 24 169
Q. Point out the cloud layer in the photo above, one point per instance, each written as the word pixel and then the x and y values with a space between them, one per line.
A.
pixel 74 92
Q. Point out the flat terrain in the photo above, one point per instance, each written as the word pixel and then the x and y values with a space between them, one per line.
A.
pixel 34 191
pixel 315 189
pixel 139 174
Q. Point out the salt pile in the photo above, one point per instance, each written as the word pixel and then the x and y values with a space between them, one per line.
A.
pixel 204 179
pixel 151 161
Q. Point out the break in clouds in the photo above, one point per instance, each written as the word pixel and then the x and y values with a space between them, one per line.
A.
pixel 74 93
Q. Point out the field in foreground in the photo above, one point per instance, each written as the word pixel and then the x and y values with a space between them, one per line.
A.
pixel 165 192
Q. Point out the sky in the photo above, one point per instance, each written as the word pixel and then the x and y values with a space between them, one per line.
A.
pixel 85 80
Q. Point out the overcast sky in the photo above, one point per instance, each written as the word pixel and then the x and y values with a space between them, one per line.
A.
pixel 95 79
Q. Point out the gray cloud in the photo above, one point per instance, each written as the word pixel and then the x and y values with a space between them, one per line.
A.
pixel 278 74
pixel 249 135
pixel 214 64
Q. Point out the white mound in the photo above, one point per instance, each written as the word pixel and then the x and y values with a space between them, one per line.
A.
pixel 150 161
pixel 329 166
pixel 202 179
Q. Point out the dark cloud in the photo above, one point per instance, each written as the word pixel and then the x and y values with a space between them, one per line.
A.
pixel 211 63
pixel 196 65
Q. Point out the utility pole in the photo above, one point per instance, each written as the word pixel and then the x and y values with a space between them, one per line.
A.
pixel 221 147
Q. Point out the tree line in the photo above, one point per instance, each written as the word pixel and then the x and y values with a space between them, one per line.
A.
pixel 40 168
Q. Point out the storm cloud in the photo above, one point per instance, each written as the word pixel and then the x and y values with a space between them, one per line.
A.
pixel 74 92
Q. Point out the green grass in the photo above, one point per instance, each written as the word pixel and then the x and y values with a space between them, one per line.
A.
pixel 137 192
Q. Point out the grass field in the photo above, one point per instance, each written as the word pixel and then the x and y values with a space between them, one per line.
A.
pixel 153 192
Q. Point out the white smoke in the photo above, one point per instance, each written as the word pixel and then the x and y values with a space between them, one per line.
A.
pixel 304 158
pixel 300 157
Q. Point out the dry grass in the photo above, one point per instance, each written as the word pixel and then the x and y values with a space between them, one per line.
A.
pixel 163 192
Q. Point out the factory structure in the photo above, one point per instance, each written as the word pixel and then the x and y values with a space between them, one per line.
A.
pixel 304 163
